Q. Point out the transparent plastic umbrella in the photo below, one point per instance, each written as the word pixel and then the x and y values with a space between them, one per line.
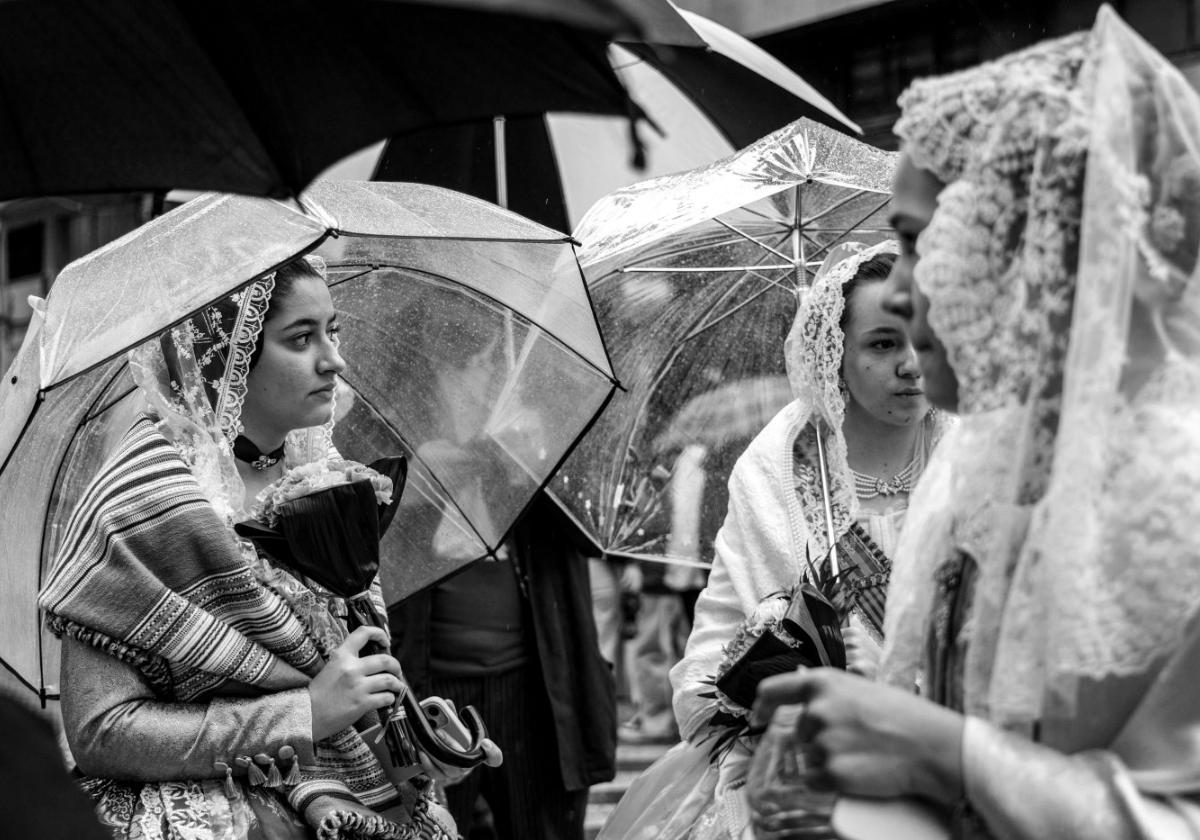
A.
pixel 730 412
pixel 695 278
pixel 421 275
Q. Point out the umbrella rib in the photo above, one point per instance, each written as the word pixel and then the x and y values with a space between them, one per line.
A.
pixel 416 457
pixel 342 280
pixel 683 250
pixel 759 243
pixel 700 330
pixel 94 413
pixel 587 293
pixel 38 400
pixel 754 271
pixel 553 472
pixel 692 246
pixel 666 560
pixel 662 372
pixel 836 205
pixel 40 692
pixel 851 229
pixel 87 417
pixel 748 209
pixel 715 269
pixel 611 377
pixel 311 247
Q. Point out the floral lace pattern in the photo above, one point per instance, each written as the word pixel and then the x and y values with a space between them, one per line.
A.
pixel 191 810
pixel 1058 267
pixel 813 352
pixel 194 379
pixel 312 477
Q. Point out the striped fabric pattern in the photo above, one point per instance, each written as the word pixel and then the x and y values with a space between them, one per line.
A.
pixel 867 579
pixel 150 574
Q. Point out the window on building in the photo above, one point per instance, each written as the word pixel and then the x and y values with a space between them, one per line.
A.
pixel 25 249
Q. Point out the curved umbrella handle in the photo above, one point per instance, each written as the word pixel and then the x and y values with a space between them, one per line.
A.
pixel 427 739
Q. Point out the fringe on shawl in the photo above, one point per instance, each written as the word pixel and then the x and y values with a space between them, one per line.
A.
pixel 353 825
pixel 154 668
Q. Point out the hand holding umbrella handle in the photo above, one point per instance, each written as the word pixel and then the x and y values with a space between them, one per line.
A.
pixel 362 613
pixel 407 726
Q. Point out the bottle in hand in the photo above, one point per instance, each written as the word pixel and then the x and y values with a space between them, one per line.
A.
pixel 782 804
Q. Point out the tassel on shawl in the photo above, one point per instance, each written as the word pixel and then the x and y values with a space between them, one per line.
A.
pixel 286 753
pixel 274 779
pixel 254 774
pixel 230 788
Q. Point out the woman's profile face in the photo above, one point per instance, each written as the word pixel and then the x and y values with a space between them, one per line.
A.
pixel 879 363
pixel 914 200
pixel 292 385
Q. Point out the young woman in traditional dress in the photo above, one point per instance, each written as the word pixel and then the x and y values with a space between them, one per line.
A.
pixel 857 384
pixel 1046 590
pixel 206 690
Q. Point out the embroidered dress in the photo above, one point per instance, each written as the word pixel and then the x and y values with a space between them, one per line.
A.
pixel 186 654
pixel 1047 581
pixel 775 519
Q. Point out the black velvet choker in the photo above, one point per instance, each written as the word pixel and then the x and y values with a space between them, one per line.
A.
pixel 245 450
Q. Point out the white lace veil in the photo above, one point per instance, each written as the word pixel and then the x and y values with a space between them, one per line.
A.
pixel 1059 266
pixel 813 354
pixel 193 377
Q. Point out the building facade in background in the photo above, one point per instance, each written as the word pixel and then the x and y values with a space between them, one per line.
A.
pixel 863 59
pixel 755 18
pixel 39 236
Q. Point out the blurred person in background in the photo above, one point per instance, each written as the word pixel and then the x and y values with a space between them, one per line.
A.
pixel 512 634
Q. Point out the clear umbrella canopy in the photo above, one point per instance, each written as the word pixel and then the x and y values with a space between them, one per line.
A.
pixel 470 342
pixel 794 194
pixel 695 278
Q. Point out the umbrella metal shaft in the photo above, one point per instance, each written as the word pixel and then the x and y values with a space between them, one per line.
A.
pixel 833 558
pixel 501 152
pixel 649 269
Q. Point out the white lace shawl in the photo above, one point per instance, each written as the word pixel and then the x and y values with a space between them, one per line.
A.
pixel 759 550
pixel 1060 268
pixel 771 520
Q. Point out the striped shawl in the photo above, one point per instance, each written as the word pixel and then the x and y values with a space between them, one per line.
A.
pixel 149 573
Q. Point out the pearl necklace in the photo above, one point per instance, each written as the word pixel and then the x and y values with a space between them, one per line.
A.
pixel 869 486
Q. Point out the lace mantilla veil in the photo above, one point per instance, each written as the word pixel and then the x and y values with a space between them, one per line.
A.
pixel 813 355
pixel 685 794
pixel 193 377
pixel 1060 268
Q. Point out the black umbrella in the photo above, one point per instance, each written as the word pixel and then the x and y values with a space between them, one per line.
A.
pixel 740 92
pixel 259 97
